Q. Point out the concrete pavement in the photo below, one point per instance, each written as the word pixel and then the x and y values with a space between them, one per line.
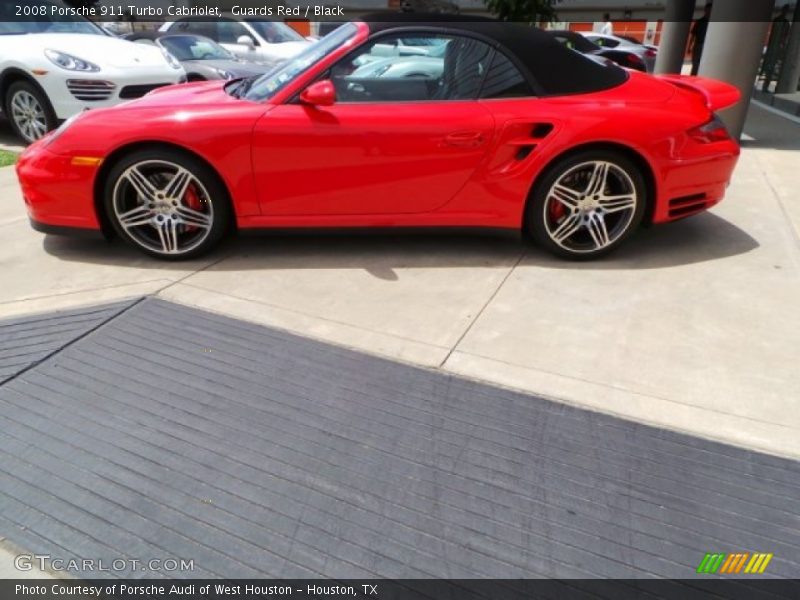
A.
pixel 691 326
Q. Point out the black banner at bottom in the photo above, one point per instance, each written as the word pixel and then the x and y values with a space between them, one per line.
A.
pixel 398 589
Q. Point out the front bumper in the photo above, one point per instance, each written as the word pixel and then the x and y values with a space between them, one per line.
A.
pixel 69 93
pixel 57 192
pixel 65 230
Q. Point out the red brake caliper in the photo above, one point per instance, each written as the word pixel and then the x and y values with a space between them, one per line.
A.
pixel 192 200
pixel 556 210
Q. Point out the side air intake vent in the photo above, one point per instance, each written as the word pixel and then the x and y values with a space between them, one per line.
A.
pixel 90 90
pixel 524 151
pixel 137 91
pixel 687 205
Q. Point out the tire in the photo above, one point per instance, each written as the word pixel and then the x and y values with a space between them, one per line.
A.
pixel 167 204
pixel 29 111
pixel 587 204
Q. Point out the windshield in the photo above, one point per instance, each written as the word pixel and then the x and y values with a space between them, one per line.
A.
pixel 192 47
pixel 268 85
pixel 275 32
pixel 45 24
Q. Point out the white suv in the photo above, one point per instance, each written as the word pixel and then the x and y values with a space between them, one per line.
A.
pixel 53 69
pixel 253 40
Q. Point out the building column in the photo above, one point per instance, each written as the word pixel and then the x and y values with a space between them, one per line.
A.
pixel 789 80
pixel 733 48
pixel 674 35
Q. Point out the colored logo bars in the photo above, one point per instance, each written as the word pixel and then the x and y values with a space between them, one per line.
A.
pixel 756 563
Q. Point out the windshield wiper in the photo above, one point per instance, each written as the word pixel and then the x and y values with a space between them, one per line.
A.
pixel 243 86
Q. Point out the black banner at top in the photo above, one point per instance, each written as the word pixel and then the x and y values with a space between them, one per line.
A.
pixel 326 10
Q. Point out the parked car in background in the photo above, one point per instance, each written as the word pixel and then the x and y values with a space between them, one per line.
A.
pixel 202 58
pixel 633 40
pixel 417 67
pixel 253 40
pixel 647 53
pixel 579 43
pixel 117 28
pixel 411 57
pixel 52 69
pixel 408 47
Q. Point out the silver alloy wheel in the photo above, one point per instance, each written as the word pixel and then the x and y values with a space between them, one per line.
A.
pixel 590 207
pixel 151 202
pixel 28 115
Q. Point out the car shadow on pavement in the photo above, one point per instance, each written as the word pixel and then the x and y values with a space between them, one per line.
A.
pixel 377 253
pixel 702 238
pixel 98 251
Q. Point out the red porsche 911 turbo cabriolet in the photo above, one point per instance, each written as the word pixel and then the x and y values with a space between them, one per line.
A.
pixel 397 123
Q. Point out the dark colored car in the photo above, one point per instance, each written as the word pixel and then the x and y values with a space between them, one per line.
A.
pixel 201 57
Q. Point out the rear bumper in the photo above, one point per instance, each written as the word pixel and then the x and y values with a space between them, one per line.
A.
pixel 692 185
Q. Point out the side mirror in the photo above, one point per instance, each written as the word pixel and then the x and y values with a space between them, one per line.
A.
pixel 246 40
pixel 321 93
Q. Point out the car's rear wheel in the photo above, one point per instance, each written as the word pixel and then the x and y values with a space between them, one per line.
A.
pixel 29 111
pixel 587 204
pixel 167 204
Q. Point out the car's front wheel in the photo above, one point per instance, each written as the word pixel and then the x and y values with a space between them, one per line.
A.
pixel 587 204
pixel 29 111
pixel 167 204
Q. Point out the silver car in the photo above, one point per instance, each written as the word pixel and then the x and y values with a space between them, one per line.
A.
pixel 201 57
pixel 647 54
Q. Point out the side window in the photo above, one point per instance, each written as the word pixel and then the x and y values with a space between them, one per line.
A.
pixel 504 80
pixel 416 67
pixel 609 43
pixel 229 32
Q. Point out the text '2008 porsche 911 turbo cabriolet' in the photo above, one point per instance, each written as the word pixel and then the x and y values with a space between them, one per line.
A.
pixel 488 124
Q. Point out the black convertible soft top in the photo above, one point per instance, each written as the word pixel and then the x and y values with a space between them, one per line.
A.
pixel 552 68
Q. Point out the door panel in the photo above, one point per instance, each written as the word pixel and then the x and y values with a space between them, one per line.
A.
pixel 382 158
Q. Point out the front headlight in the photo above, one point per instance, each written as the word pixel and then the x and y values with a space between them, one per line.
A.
pixel 171 60
pixel 69 62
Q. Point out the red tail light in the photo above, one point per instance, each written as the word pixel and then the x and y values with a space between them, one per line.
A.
pixel 650 53
pixel 713 131
pixel 635 60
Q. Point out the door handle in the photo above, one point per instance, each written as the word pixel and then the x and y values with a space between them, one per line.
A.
pixel 465 139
